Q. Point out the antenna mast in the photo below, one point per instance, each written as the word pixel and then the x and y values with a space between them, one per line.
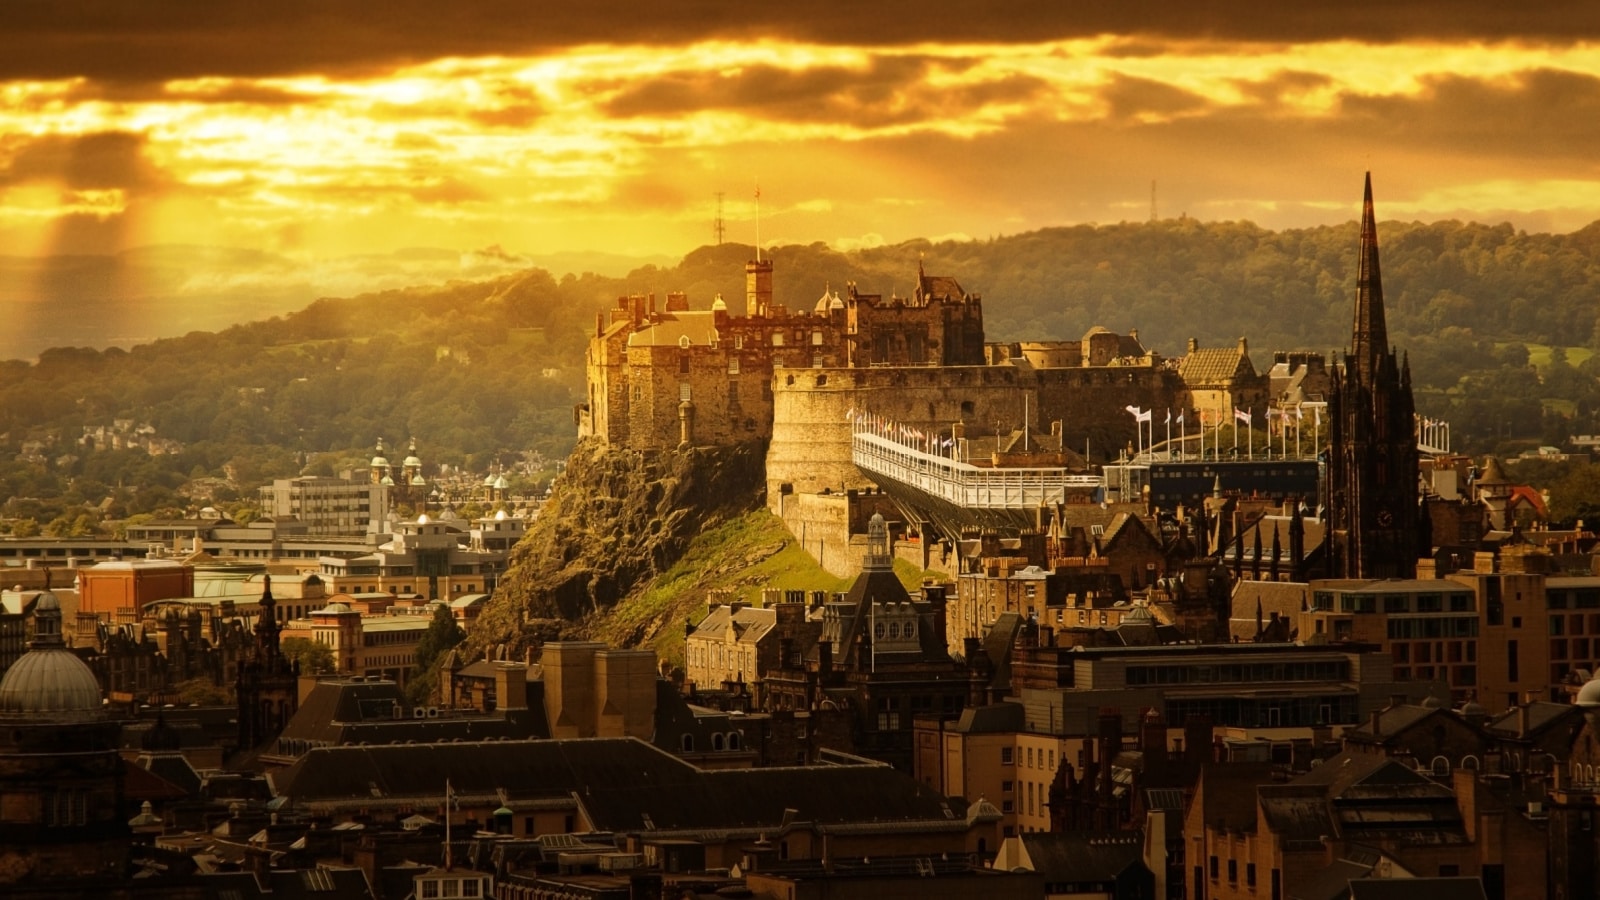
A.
pixel 1153 217
pixel 716 224
pixel 758 221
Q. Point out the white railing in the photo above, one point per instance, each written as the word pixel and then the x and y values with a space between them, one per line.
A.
pixel 963 484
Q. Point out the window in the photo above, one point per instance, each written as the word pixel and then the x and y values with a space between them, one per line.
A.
pixel 1250 874
pixel 1233 871
pixel 1005 756
pixel 777 339
pixel 430 890
pixel 469 887
pixel 733 365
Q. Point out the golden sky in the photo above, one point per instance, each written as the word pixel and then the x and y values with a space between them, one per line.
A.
pixel 324 129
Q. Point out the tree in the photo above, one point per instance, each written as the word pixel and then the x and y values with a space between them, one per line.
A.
pixel 314 658
pixel 443 633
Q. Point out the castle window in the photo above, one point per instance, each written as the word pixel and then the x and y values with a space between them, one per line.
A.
pixel 733 365
pixel 878 631
pixel 738 342
pixel 777 339
pixel 683 391
pixel 683 363
pixel 816 338
pixel 894 630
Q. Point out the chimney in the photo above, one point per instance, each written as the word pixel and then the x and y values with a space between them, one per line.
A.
pixel 1244 347
pixel 1193 345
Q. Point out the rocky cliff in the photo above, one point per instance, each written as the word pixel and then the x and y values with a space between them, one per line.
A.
pixel 614 521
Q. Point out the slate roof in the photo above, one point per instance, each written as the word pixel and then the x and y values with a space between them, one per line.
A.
pixel 1448 888
pixel 747 626
pixel 1286 598
pixel 1083 857
pixel 996 718
pixel 1542 714
pixel 1393 722
pixel 622 784
pixel 350 712
pixel 1330 883
pixel 289 884
pixel 1374 798
pixel 700 327
pixel 1205 366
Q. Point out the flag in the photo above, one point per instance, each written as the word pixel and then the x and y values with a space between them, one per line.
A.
pixel 1180 418
pixel 850 414
pixel 1146 415
pixel 1169 415
pixel 1133 411
pixel 1242 416
pixel 1299 413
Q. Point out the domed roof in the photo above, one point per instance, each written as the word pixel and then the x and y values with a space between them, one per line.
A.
pixel 378 457
pixel 335 608
pixel 488 480
pixel 500 483
pixel 1589 694
pixel 719 305
pixel 387 481
pixel 48 681
pixel 412 460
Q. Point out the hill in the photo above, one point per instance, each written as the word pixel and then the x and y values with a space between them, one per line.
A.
pixel 1499 326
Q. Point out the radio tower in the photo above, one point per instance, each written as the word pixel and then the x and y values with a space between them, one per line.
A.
pixel 1153 200
pixel 717 227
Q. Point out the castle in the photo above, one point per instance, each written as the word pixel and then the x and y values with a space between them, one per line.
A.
pixel 670 376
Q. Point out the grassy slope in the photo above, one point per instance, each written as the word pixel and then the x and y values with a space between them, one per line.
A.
pixel 744 556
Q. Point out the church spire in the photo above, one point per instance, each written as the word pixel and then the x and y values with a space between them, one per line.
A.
pixel 1370 337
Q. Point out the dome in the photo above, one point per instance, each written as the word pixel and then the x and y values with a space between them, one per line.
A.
pixel 719 305
pixel 412 460
pixel 488 480
pixel 499 515
pixel 334 608
pixel 1589 694
pixel 387 481
pixel 45 681
pixel 422 519
pixel 500 483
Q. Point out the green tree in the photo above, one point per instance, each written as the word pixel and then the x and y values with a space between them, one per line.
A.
pixel 314 658
pixel 443 633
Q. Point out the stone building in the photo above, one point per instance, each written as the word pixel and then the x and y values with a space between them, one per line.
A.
pixel 63 822
pixel 882 658
pixel 266 689
pixel 660 377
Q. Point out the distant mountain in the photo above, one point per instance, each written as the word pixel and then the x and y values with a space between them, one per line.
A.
pixel 148 293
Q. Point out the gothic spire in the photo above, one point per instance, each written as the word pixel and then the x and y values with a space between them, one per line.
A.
pixel 1370 337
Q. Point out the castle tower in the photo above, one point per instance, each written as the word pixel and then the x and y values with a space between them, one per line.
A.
pixel 758 288
pixel 1372 460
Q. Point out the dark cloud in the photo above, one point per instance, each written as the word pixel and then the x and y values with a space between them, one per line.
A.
pixel 1281 85
pixel 1537 115
pixel 889 91
pixel 1131 97
pixel 100 161
pixel 156 40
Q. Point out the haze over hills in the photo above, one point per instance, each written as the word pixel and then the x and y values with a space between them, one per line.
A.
pixel 491 362
pixel 146 293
